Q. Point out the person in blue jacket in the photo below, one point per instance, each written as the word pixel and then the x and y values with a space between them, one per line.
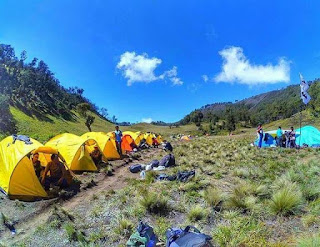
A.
pixel 260 135
pixel 279 137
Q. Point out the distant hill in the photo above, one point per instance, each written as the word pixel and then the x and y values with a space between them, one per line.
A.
pixel 263 108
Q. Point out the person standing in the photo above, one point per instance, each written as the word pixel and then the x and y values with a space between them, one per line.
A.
pixel 260 135
pixel 292 138
pixel 279 137
pixel 118 137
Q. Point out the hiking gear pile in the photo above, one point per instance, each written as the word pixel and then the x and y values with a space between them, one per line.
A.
pixel 143 237
pixel 177 237
pixel 165 162
pixel 183 176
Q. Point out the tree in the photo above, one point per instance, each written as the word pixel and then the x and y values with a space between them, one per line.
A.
pixel 104 112
pixel 83 108
pixel 114 119
pixel 89 121
pixel 230 120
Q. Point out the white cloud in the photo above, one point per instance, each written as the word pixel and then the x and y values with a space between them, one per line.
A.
pixel 141 68
pixel 146 120
pixel 205 78
pixel 237 68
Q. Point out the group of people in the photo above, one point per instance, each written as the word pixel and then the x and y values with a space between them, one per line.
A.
pixel 286 139
pixel 55 173
pixel 59 176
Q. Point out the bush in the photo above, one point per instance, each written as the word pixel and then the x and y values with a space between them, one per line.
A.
pixel 213 197
pixel 286 201
pixel 197 213
pixel 155 203
pixel 124 228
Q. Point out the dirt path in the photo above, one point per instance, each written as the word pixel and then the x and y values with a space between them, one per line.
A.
pixel 29 224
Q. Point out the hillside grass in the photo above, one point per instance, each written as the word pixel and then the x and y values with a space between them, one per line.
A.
pixel 45 130
pixel 241 196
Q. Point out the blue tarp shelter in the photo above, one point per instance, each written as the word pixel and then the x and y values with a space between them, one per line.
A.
pixel 267 141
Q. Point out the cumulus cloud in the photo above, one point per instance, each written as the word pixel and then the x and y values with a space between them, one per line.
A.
pixel 141 68
pixel 146 120
pixel 205 78
pixel 237 68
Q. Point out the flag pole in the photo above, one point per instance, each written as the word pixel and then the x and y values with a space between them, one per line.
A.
pixel 300 125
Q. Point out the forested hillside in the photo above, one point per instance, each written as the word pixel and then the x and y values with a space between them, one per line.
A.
pixel 31 88
pixel 263 108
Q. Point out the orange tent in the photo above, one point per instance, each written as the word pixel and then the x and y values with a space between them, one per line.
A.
pixel 127 143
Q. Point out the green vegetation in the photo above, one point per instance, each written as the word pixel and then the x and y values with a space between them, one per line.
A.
pixel 265 108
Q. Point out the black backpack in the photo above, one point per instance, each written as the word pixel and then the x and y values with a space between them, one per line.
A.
pixel 177 237
pixel 168 146
pixel 135 168
pixel 185 175
pixel 168 161
pixel 154 163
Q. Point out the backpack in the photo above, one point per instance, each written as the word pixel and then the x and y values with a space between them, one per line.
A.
pixel 143 237
pixel 154 163
pixel 135 168
pixel 168 146
pixel 168 161
pixel 177 237
pixel 185 175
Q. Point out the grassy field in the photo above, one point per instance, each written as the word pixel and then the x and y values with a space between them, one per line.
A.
pixel 241 196
pixel 45 130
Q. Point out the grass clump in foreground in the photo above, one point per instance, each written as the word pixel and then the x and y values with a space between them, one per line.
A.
pixel 155 203
pixel 313 241
pixel 197 213
pixel 124 228
pixel 287 200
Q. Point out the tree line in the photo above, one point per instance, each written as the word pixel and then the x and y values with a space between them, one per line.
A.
pixel 261 109
pixel 33 88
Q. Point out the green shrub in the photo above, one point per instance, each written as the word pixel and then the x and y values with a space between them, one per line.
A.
pixel 155 203
pixel 241 232
pixel 286 201
pixel 124 228
pixel 213 197
pixel 197 213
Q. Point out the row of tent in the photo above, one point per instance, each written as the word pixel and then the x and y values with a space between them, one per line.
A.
pixel 306 136
pixel 17 175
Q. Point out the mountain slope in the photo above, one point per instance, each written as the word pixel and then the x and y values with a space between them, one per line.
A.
pixel 262 108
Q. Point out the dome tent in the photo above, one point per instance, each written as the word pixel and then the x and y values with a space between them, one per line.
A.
pixel 106 143
pixel 76 151
pixel 136 136
pixel 17 176
pixel 308 135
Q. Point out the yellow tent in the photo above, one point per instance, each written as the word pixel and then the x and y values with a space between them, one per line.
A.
pixel 17 176
pixel 76 151
pixel 148 136
pixel 185 138
pixel 106 143
pixel 159 138
pixel 136 136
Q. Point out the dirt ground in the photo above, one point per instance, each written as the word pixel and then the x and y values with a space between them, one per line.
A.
pixel 27 216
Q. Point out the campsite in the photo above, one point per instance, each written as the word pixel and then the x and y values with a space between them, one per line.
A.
pixel 159 123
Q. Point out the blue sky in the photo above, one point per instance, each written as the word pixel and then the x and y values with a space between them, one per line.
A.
pixel 161 59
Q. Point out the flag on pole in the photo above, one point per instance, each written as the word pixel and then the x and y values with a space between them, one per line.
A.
pixel 304 90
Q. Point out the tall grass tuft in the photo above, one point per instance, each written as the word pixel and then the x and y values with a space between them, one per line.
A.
pixel 286 201
pixel 155 203
pixel 197 213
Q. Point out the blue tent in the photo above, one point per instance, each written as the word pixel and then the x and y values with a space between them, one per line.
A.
pixel 267 141
pixel 308 135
